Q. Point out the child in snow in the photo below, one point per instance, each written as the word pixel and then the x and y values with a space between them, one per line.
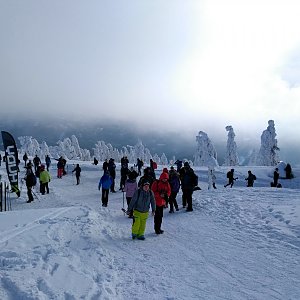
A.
pixel 130 187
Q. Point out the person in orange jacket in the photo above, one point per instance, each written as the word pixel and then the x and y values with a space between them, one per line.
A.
pixel 161 189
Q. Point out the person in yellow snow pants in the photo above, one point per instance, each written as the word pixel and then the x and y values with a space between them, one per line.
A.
pixel 139 223
pixel 140 205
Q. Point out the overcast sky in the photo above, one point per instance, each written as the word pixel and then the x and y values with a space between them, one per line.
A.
pixel 199 65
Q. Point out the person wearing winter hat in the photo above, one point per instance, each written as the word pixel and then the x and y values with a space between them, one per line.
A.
pixel 140 204
pixel 44 180
pixel 161 189
pixel 129 189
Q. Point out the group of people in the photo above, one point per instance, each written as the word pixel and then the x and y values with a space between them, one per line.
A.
pixel 150 192
pixel 37 171
pixel 31 180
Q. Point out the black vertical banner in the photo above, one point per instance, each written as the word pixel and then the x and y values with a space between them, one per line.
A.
pixel 11 155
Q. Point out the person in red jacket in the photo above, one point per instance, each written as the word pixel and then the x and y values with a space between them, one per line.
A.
pixel 161 189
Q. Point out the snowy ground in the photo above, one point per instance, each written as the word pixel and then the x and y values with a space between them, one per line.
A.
pixel 239 243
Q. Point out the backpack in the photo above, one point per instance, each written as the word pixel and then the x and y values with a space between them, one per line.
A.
pixel 31 179
pixel 175 183
pixel 195 179
pixel 228 174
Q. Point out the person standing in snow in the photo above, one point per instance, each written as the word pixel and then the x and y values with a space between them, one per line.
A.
pixel 179 164
pixel 44 180
pixel 175 186
pixel 161 189
pixel 140 204
pixel 211 179
pixel 188 180
pixel 231 179
pixel 130 187
pixel 147 177
pixel 251 177
pixel 77 171
pixel 36 162
pixel 139 164
pixel 25 158
pixel 48 161
pixel 275 177
pixel 30 181
pixel 106 182
pixel 112 172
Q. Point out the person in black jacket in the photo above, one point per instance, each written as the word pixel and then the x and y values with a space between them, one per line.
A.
pixel 251 177
pixel 231 179
pixel 188 182
pixel 112 173
pixel 147 177
pixel 275 177
pixel 77 171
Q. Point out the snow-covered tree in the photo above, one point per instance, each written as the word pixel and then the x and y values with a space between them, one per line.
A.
pixel 164 160
pixel 231 156
pixel 156 158
pixel 268 155
pixel 44 149
pixel 139 151
pixel 206 154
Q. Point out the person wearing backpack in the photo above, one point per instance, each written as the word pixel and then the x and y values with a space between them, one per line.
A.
pixel 175 186
pixel 30 181
pixel 251 177
pixel 140 205
pixel 161 189
pixel 231 179
pixel 188 180
pixel 44 180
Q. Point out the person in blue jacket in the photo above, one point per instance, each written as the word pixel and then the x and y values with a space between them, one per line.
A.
pixel 106 182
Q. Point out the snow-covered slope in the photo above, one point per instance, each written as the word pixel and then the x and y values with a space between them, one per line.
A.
pixel 239 243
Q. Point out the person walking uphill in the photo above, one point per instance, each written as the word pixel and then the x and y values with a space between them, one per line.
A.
pixel 77 171
pixel 161 189
pixel 140 204
pixel 106 182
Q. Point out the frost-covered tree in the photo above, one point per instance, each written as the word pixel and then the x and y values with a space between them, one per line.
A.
pixel 30 145
pixel 164 160
pixel 147 156
pixel 139 150
pixel 268 155
pixel 44 150
pixel 231 156
pixel 77 150
pixel 156 158
pixel 206 154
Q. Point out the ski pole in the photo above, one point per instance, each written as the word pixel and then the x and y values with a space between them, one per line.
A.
pixel 34 194
pixel 123 203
